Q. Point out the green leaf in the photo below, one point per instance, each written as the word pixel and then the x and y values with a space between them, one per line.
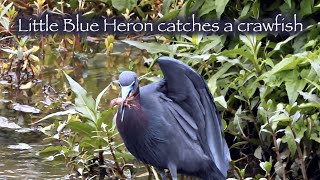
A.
pixel 256 9
pixel 50 151
pixel 300 130
pixel 313 83
pixel 81 128
pixel 294 85
pixel 237 144
pixel 185 10
pixel 74 4
pixel 100 96
pixel 10 51
pixel 124 155
pixel 212 45
pixel 220 6
pixel 166 6
pixel 266 166
pixel 315 137
pixel 169 16
pixel 288 63
pixel 197 5
pixel 122 5
pixel 289 139
pixel 310 43
pixel 316 66
pixel 60 113
pixel 5 10
pixel 312 98
pixel 306 7
pixel 280 44
pixel 237 121
pixel 106 118
pixel 278 118
pixel 309 105
pixel 89 142
pixel 207 7
pixel 251 89
pixel 262 115
pixel 85 104
pixel 233 53
pixel 245 11
pixel 212 83
pixel 258 153
pixel 196 38
pixel 288 2
pixel 221 101
pixel 5 22
pixel 249 40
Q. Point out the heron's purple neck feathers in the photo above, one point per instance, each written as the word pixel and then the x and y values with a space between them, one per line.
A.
pixel 134 120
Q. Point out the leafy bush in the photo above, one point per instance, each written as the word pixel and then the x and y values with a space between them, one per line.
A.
pixel 86 137
pixel 269 106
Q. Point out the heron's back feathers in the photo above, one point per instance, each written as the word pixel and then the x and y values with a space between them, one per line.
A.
pixel 189 91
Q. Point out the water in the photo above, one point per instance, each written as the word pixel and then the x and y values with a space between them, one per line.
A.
pixel 94 71
pixel 26 164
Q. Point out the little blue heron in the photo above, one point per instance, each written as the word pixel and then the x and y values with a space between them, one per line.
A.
pixel 173 124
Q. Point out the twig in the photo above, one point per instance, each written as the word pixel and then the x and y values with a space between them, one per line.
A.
pixel 115 158
pixel 278 155
pixel 300 155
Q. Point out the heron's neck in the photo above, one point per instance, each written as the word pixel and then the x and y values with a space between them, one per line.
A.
pixel 134 121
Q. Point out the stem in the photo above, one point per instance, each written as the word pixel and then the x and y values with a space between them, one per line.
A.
pixel 300 155
pixel 115 158
pixel 41 52
pixel 245 157
pixel 102 172
pixel 18 72
pixel 255 62
pixel 62 4
pixel 238 172
pixel 302 167
pixel 10 66
pixel 278 156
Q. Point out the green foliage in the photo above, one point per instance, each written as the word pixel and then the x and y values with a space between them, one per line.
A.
pixel 268 90
pixel 84 133
pixel 125 4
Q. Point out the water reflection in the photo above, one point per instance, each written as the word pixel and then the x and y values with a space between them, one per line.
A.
pixel 94 71
pixel 25 164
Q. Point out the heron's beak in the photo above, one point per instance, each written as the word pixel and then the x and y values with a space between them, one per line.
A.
pixel 125 91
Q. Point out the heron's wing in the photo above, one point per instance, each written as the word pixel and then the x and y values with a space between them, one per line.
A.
pixel 194 104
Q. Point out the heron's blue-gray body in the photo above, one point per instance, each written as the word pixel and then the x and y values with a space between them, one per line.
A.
pixel 174 124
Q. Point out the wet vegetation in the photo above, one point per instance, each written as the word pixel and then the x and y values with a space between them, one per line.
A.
pixel 56 89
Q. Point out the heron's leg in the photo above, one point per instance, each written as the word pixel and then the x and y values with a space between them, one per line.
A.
pixel 162 174
pixel 173 171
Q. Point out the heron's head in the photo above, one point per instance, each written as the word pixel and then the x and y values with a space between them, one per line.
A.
pixel 129 85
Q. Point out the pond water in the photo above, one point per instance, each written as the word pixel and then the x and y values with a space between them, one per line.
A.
pixel 19 140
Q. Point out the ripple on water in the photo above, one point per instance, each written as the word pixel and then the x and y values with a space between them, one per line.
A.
pixel 21 162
